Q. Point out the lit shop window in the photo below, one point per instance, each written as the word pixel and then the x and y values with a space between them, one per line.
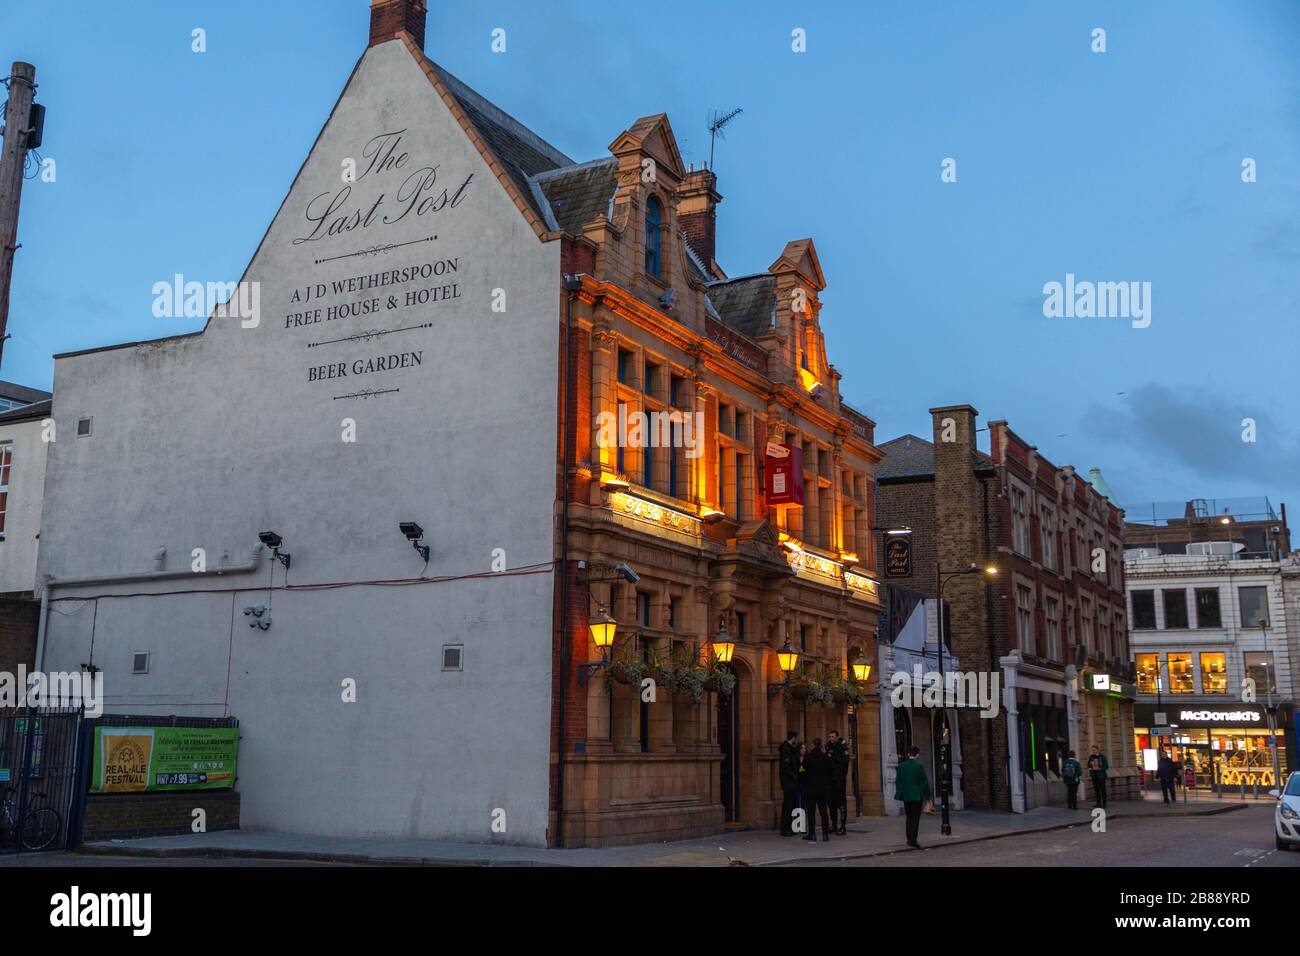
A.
pixel 1182 680
pixel 1214 673
pixel 1148 668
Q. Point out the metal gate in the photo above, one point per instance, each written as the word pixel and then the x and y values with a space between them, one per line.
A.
pixel 39 770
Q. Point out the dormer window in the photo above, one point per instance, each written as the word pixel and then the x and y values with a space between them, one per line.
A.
pixel 653 216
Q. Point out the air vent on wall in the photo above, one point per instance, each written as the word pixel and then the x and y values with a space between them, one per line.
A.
pixel 453 657
pixel 140 662
pixel 83 427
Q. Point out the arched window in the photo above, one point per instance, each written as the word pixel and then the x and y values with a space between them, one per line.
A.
pixel 653 216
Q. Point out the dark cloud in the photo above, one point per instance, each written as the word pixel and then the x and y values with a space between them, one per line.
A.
pixel 1154 431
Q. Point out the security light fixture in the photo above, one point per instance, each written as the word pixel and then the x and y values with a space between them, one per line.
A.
pixel 413 534
pixel 628 574
pixel 275 543
pixel 711 515
pixel 614 482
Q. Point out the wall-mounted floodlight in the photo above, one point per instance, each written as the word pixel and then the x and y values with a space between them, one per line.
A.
pixel 628 574
pixel 413 534
pixel 275 543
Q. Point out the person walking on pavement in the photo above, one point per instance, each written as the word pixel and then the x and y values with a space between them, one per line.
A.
pixel 816 782
pixel 838 752
pixel 1072 774
pixel 1168 772
pixel 912 787
pixel 1097 767
pixel 788 775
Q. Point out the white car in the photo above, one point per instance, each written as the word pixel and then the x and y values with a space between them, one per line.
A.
pixel 1286 816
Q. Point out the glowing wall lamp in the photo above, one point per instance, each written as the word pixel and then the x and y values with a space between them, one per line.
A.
pixel 603 628
pixel 861 669
pixel 723 646
pixel 788 658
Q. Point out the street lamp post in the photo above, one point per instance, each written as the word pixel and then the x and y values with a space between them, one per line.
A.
pixel 945 748
pixel 1272 706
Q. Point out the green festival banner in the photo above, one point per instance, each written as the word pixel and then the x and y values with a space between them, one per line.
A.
pixel 141 759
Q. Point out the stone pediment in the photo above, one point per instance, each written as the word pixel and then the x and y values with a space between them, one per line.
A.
pixel 758 541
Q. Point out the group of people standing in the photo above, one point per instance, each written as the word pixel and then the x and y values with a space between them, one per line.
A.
pixel 1072 775
pixel 814 779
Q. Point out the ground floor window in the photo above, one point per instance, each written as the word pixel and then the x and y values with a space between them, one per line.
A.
pixel 1220 758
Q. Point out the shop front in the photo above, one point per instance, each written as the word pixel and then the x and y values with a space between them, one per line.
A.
pixel 1219 747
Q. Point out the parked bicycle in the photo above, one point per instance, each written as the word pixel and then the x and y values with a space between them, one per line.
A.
pixel 40 827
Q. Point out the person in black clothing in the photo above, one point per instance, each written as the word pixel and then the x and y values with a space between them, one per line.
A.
pixel 838 752
pixel 816 783
pixel 1168 772
pixel 788 770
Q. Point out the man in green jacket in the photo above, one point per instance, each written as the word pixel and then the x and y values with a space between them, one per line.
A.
pixel 912 786
pixel 1097 767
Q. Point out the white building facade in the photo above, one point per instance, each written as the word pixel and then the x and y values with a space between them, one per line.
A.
pixel 24 439
pixel 406 324
pixel 1213 647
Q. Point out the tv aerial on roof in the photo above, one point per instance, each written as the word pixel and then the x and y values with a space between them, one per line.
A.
pixel 717 120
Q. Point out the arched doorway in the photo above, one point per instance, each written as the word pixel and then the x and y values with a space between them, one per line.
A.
pixel 902 732
pixel 729 743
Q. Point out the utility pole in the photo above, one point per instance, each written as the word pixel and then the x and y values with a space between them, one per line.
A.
pixel 17 136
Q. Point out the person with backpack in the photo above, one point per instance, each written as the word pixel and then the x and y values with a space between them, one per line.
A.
pixel 1072 774
pixel 1097 767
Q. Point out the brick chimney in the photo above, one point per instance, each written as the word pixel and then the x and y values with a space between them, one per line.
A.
pixel 391 18
pixel 697 212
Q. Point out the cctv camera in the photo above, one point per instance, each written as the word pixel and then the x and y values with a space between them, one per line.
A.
pixel 631 576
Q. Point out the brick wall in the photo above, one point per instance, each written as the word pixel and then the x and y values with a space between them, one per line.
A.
pixel 18 621
pixel 127 816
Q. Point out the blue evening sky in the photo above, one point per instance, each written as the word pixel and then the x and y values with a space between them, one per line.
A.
pixel 1124 165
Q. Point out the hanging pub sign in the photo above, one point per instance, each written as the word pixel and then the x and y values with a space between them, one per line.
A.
pixel 784 474
pixel 898 558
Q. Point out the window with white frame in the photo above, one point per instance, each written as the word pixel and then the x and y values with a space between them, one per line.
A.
pixel 1048 519
pixel 1025 618
pixel 1020 520
pixel 6 461
pixel 1052 613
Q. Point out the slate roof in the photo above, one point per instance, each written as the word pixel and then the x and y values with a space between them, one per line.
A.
pixel 21 393
pixel 578 194
pixel 38 410
pixel 520 151
pixel 747 304
pixel 910 457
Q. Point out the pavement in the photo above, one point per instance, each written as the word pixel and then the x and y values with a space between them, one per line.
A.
pixel 867 837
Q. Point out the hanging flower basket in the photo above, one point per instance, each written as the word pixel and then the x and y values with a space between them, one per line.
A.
pixel 624 672
pixel 721 681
